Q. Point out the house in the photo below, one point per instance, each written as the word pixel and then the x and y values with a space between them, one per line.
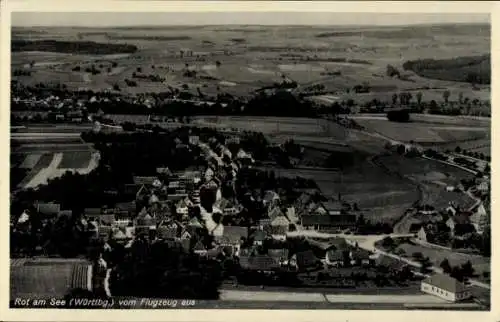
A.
pixel 360 257
pixel 335 258
pixel 291 215
pixel 164 171
pixel 321 247
pixel 190 177
pixel 280 220
pixel 273 212
pixel 142 193
pixel 182 207
pixel 168 229
pixel 479 219
pixel 259 237
pixel 271 198
pixel 147 181
pixel 194 139
pixel 303 261
pixel 209 174
pixel 422 234
pixel 452 209
pixel 232 236
pixel 48 209
pixel 259 263
pixel 199 248
pixel 195 222
pixel 459 224
pixel 328 223
pixel 445 287
pixel 129 207
pixel 217 230
pixel 483 187
pixel 280 256
pixel 332 207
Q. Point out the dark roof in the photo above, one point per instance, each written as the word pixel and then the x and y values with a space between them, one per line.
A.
pixel 107 219
pixel 335 255
pixel 276 230
pixel 199 246
pixel 336 243
pixel 167 232
pixel 279 253
pixel 327 220
pixel 131 188
pixel 259 235
pixel 164 170
pixel 332 205
pixel 48 208
pixel 92 211
pixel 235 233
pixel 65 213
pixel 138 180
pixel 275 212
pixel 445 282
pixel 360 254
pixel 265 222
pixel 461 218
pixel 258 263
pixel 127 206
pixel 306 258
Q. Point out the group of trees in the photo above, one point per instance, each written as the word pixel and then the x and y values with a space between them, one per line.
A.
pixel 460 272
pixel 161 270
pixel 71 47
pixel 477 155
pixel 473 69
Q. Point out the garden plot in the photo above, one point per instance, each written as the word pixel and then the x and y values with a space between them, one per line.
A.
pixel 75 160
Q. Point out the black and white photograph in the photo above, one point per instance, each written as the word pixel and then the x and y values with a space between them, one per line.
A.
pixel 250 160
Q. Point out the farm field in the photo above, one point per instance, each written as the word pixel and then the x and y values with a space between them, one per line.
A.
pixel 425 170
pixel 46 278
pixel 421 132
pixel 481 264
pixel 381 196
pixel 433 178
pixel 75 160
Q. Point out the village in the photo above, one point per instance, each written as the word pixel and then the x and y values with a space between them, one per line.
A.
pixel 219 210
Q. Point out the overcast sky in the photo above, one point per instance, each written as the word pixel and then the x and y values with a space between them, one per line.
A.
pixel 106 19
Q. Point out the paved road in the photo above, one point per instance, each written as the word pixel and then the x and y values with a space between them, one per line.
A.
pixel 237 295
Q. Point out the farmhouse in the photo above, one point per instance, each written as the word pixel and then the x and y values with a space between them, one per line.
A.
pixel 329 223
pixel 232 236
pixel 479 219
pixel 445 287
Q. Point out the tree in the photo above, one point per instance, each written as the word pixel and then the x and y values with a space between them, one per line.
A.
pixel 456 272
pixel 217 63
pixel 445 266
pixel 417 255
pixel 419 97
pixel 425 265
pixel 446 96
pixel 458 149
pixel 139 69
pixel 467 269
pixel 460 97
pixel 394 98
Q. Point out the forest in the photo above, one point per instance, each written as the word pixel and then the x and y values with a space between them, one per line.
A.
pixel 469 69
pixel 71 47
